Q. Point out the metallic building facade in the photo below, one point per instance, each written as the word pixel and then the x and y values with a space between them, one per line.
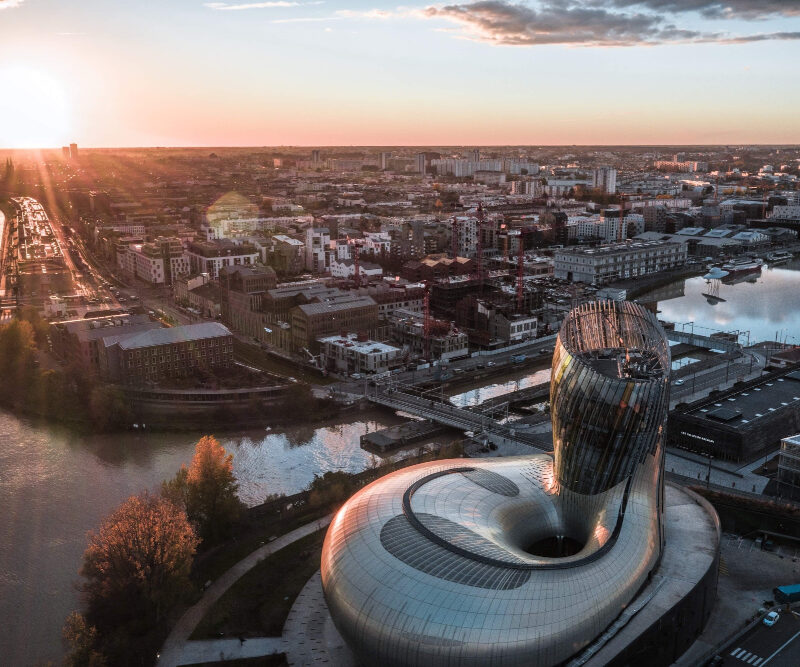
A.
pixel 524 560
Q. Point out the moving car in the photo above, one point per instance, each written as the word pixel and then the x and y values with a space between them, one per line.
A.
pixel 678 383
pixel 771 618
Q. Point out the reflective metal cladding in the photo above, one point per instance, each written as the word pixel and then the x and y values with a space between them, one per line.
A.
pixel 608 395
pixel 524 560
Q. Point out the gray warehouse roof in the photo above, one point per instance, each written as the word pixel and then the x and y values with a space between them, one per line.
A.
pixel 171 335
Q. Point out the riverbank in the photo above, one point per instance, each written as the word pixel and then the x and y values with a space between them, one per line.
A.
pixel 58 484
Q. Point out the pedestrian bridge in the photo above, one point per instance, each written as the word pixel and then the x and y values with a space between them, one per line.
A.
pixel 704 341
pixel 477 420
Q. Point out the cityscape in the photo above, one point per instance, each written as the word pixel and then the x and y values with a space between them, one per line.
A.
pixel 321 346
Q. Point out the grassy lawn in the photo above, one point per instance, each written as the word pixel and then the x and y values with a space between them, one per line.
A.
pixel 257 604
pixel 210 565
pixel 255 356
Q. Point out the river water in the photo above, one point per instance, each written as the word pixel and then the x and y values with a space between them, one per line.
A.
pixel 56 485
pixel 767 305
pixel 500 387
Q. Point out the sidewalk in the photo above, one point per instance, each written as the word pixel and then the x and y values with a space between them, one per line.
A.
pixel 178 650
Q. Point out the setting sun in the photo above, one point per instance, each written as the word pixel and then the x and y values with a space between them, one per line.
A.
pixel 33 110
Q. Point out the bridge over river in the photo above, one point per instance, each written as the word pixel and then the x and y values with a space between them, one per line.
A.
pixel 479 420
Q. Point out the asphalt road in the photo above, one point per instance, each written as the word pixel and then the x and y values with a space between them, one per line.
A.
pixel 776 646
pixel 712 378
pixel 500 360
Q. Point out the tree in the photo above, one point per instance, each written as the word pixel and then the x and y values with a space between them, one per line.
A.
pixel 82 640
pixel 17 356
pixel 207 490
pixel 137 565
pixel 108 408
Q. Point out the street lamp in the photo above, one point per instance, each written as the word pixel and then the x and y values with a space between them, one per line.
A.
pixel 708 475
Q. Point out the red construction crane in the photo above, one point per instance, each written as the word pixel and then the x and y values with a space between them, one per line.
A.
pixel 357 245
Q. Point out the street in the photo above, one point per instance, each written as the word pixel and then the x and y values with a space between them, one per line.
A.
pixel 778 646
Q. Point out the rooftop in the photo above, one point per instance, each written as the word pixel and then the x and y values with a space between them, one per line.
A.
pixel 345 302
pixel 742 408
pixel 364 347
pixel 168 336
pixel 618 248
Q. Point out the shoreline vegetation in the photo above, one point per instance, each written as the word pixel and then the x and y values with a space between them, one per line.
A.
pixel 152 557
pixel 76 399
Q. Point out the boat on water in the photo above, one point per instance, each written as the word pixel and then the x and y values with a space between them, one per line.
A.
pixel 739 265
pixel 715 273
pixel 779 257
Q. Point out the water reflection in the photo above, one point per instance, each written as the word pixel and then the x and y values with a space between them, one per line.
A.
pixel 767 305
pixel 480 394
pixel 286 461
pixel 56 485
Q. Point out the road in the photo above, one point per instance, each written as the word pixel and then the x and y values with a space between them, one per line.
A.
pixel 713 378
pixel 778 646
pixel 540 348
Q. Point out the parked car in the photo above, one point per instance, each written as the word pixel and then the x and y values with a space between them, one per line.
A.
pixel 771 618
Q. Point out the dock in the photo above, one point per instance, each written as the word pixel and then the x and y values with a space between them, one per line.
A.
pixel 401 435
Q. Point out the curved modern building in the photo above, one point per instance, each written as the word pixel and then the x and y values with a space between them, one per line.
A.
pixel 524 560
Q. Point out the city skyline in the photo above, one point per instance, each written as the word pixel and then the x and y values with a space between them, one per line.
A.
pixel 621 72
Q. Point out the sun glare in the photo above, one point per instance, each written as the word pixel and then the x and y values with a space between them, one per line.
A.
pixel 33 110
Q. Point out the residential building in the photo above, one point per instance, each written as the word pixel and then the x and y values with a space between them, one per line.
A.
pixel 210 256
pixel 318 243
pixel 355 354
pixel 242 298
pixel 604 264
pixel 605 179
pixel 444 342
pixel 340 313
pixel 346 268
pixel 287 255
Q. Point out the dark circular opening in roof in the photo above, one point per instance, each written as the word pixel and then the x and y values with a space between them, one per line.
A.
pixel 555 546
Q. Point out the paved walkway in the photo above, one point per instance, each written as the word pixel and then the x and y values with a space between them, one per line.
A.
pixel 178 650
pixel 309 635
pixel 219 650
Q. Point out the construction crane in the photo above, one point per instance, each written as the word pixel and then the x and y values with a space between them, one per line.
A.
pixel 430 325
pixel 357 245
pixel 521 265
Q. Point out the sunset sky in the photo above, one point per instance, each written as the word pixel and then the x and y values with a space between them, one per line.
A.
pixel 188 72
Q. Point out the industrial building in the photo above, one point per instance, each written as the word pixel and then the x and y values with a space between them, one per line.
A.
pixel 742 423
pixel 158 354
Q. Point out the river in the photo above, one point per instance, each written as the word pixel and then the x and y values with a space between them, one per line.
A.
pixel 499 387
pixel 56 485
pixel 767 305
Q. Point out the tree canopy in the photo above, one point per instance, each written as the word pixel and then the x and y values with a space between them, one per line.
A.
pixel 207 490
pixel 138 562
